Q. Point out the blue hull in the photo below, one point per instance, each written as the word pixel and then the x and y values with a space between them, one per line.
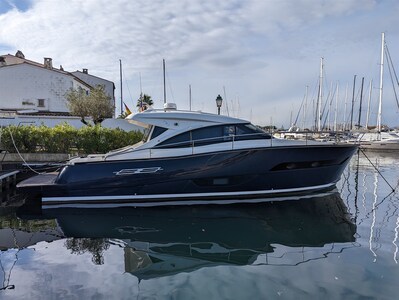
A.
pixel 212 176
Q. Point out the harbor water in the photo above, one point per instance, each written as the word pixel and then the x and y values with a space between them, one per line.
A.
pixel 341 244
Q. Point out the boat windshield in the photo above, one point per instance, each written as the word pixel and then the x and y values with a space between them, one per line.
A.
pixel 152 132
pixel 146 133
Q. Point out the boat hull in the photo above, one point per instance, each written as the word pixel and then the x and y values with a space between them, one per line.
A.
pixel 212 177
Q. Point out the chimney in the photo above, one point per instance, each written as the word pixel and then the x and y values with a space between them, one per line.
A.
pixel 85 71
pixel 20 54
pixel 48 63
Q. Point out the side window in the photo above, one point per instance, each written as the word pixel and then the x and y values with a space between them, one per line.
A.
pixel 178 141
pixel 229 131
pixel 157 131
pixel 249 131
pixel 211 135
pixel 207 135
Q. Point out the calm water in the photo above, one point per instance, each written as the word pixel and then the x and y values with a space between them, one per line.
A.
pixel 340 245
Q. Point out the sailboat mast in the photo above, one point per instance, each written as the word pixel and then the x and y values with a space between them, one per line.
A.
pixel 368 104
pixel 345 107
pixel 189 95
pixel 353 101
pixel 120 75
pixel 141 88
pixel 381 83
pixel 360 105
pixel 320 96
pixel 164 84
pixel 225 98
pixel 304 108
pixel 336 107
pixel 329 107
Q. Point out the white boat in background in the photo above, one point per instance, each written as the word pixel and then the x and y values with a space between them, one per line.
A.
pixel 379 141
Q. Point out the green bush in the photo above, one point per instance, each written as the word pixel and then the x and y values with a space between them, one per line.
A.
pixel 25 138
pixel 64 138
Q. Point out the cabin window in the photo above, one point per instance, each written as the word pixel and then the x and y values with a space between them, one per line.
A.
pixel 178 141
pixel 201 137
pixel 40 102
pixel 157 131
pixel 249 131
pixel 215 134
pixel 229 130
pixel 207 135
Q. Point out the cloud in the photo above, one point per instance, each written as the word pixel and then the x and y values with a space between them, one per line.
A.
pixel 262 50
pixel 146 31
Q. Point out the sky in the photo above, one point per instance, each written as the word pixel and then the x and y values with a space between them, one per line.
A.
pixel 261 56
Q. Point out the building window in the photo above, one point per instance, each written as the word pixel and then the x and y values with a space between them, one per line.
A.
pixel 40 102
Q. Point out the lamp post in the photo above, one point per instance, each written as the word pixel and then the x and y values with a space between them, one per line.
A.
pixel 219 102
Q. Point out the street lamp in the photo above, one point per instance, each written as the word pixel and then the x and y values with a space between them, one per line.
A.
pixel 219 102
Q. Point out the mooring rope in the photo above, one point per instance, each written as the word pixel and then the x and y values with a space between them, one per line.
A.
pixel 16 148
pixel 378 171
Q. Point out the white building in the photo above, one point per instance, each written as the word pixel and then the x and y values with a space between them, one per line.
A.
pixel 94 81
pixel 39 88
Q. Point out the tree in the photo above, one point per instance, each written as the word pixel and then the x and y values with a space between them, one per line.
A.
pixel 123 115
pixel 96 104
pixel 96 247
pixel 144 101
pixel 76 102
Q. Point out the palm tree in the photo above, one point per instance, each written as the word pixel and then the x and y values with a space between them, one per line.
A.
pixel 144 102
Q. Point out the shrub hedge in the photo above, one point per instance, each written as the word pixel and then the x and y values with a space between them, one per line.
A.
pixel 64 138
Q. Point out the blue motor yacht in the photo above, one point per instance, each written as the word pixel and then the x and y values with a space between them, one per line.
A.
pixel 189 157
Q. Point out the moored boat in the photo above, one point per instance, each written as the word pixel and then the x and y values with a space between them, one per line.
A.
pixel 191 157
pixel 378 141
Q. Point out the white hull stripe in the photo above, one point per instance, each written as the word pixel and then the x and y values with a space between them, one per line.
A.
pixel 188 202
pixel 49 200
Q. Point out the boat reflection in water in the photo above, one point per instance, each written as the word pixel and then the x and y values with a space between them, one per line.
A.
pixel 168 240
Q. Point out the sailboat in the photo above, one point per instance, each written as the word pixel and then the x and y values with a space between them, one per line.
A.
pixel 379 140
